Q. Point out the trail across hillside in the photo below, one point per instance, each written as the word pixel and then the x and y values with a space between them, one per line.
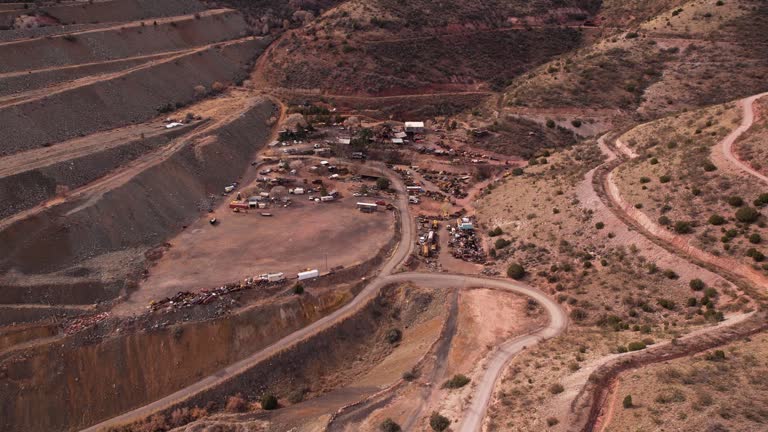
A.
pixel 746 122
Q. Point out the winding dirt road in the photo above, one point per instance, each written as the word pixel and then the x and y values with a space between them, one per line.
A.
pixel 746 122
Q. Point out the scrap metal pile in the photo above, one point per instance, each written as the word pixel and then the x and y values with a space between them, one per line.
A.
pixel 464 242
pixel 451 184
pixel 81 323
pixel 186 299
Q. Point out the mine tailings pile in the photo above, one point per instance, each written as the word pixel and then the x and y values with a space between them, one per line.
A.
pixel 142 212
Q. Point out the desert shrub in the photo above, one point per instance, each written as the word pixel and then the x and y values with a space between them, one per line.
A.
pixel 552 421
pixel 495 232
pixel 627 403
pixel 515 271
pixel 382 183
pixel 665 179
pixel 670 274
pixel 556 388
pixel 576 123
pixel 665 221
pixel 502 243
pixel 636 346
pixel 692 302
pixel 550 123
pixel 755 238
pixel 747 214
pixel 298 289
pixel 517 171
pixel 761 200
pixel 394 335
pixel 666 303
pixel 438 422
pixel 389 425
pixel 457 381
pixel 755 255
pixel 735 201
pixel 697 284
pixel 645 180
pixel 717 355
pixel 716 219
pixel 579 314
pixel 654 161
pixel 632 35
pixel 297 395
pixel 683 227
pixel 236 404
pixel 410 375
pixel 709 166
pixel 268 402
pixel 600 225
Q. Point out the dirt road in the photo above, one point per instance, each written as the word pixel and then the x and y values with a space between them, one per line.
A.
pixel 746 122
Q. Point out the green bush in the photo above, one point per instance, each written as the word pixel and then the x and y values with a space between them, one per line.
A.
pixel 755 238
pixel 495 232
pixel 552 421
pixel 457 381
pixel 735 201
pixel 670 274
pixel 576 123
pixel 636 346
pixel 627 402
pixel 761 200
pixel 645 180
pixel 666 303
pixel 394 335
pixel 382 183
pixel 665 221
pixel 517 171
pixel 298 289
pixel 438 423
pixel 709 166
pixel 716 219
pixel 683 227
pixel 665 179
pixel 654 161
pixel 389 425
pixel 599 225
pixel 747 214
pixel 268 402
pixel 515 271
pixel 697 284
pixel 556 388
pixel 502 243
pixel 550 123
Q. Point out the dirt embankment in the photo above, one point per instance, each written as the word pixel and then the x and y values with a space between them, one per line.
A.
pixel 102 105
pixel 98 12
pixel 17 82
pixel 121 10
pixel 331 359
pixel 130 368
pixel 29 188
pixel 122 41
pixel 143 211
pixel 593 396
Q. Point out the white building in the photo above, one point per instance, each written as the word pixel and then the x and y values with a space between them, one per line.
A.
pixel 414 127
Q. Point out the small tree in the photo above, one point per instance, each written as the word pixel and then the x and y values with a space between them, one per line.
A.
pixel 627 401
pixel 382 183
pixel 394 335
pixel 515 271
pixel 389 425
pixel 268 402
pixel 438 422
pixel 716 220
pixel 298 289
pixel 697 284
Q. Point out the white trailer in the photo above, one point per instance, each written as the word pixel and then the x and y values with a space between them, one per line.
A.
pixel 272 277
pixel 310 274
pixel 327 198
